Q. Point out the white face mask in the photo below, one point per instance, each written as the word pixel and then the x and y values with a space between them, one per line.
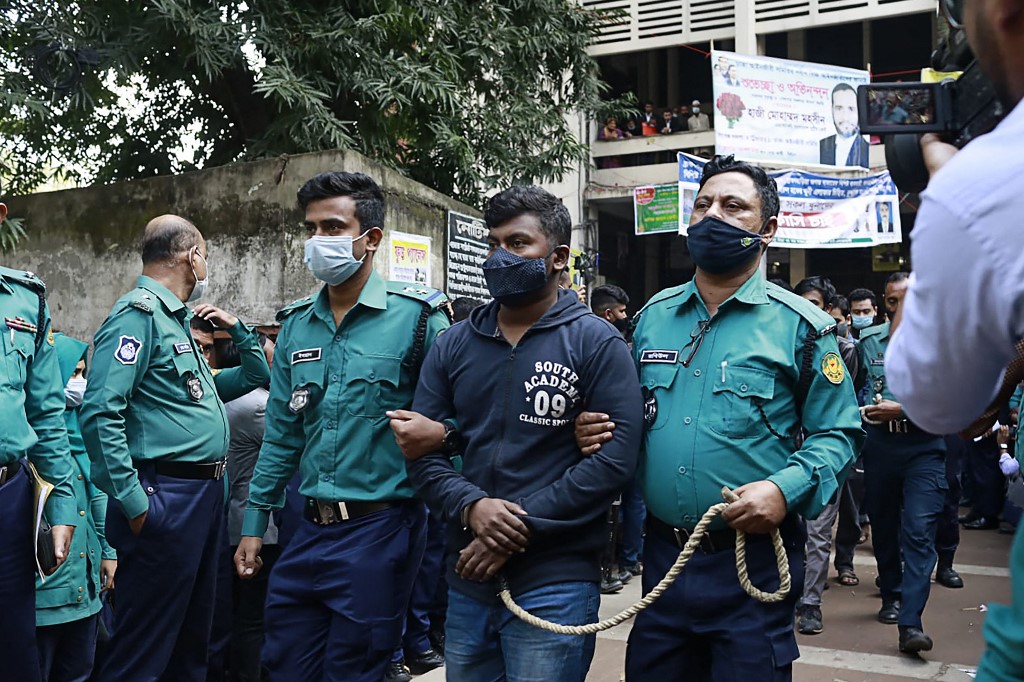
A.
pixel 695 110
pixel 330 259
pixel 74 392
pixel 201 284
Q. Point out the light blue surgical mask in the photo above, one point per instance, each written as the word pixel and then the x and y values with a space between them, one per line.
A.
pixel 199 290
pixel 330 259
pixel 862 321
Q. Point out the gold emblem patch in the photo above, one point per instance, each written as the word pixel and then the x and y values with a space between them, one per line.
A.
pixel 833 369
pixel 49 338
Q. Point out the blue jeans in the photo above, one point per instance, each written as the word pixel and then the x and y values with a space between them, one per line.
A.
pixel 486 643
pixel 633 514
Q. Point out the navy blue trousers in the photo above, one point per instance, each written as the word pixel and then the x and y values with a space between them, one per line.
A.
pixel 633 514
pixel 905 488
pixel 705 627
pixel 338 596
pixel 988 485
pixel 416 633
pixel 166 582
pixel 947 535
pixel 67 650
pixel 18 655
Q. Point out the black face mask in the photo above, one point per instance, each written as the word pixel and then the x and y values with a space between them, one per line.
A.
pixel 622 324
pixel 718 247
pixel 512 279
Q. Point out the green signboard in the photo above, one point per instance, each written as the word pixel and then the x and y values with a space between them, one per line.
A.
pixel 656 209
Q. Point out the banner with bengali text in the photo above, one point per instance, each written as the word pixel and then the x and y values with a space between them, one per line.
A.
pixel 467 249
pixel 409 259
pixel 785 111
pixel 818 211
pixel 655 209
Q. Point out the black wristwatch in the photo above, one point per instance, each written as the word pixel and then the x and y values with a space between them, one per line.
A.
pixel 451 444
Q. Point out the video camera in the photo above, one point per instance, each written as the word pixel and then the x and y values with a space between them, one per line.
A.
pixel 960 110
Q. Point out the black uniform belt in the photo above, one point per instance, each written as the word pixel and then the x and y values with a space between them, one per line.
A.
pixel 9 471
pixel 901 426
pixel 194 470
pixel 326 513
pixel 713 541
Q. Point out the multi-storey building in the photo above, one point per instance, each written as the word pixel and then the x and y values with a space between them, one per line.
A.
pixel 658 50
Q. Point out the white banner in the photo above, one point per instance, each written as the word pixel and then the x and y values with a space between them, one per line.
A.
pixel 784 111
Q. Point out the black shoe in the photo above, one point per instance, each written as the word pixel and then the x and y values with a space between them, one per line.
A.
pixel 437 640
pixel 397 672
pixel 913 640
pixel 982 523
pixel 424 662
pixel 623 576
pixel 808 619
pixel 890 612
pixel 948 577
pixel 967 518
pixel 610 586
pixel 634 569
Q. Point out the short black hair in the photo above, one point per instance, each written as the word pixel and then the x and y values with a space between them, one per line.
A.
pixel 779 282
pixel 840 303
pixel 173 235
pixel 520 199
pixel 862 294
pixel 840 88
pixel 767 190
pixel 606 296
pixel 816 283
pixel 897 277
pixel 463 306
pixel 361 187
pixel 200 325
pixel 227 354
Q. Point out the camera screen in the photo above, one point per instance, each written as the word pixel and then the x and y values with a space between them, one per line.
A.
pixel 901 106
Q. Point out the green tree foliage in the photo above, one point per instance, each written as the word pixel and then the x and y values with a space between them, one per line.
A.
pixel 462 95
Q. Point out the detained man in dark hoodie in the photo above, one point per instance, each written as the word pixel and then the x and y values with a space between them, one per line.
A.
pixel 527 505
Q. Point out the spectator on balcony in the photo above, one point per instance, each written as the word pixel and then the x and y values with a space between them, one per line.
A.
pixel 649 120
pixel 669 123
pixel 610 131
pixel 698 120
pixel 631 128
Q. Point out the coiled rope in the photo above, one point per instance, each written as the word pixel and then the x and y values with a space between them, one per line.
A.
pixel 692 543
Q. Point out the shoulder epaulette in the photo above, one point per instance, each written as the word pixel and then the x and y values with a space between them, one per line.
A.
pixel 873 331
pixel 293 306
pixel 662 295
pixel 432 298
pixel 821 322
pixel 140 299
pixel 25 277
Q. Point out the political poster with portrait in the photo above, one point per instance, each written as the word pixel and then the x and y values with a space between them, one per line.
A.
pixel 818 211
pixel 655 209
pixel 467 249
pixel 785 111
pixel 409 258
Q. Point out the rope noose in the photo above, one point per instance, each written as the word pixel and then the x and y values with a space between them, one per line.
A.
pixel 692 543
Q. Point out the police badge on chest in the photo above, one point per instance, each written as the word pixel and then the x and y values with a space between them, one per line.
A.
pixel 194 386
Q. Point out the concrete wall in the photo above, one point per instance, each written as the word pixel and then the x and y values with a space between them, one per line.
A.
pixel 85 243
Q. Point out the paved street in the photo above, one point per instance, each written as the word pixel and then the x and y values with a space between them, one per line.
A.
pixel 854 647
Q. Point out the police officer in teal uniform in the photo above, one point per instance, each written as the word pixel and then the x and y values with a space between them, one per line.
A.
pixel 68 602
pixel 157 435
pixel 904 489
pixel 32 414
pixel 345 356
pixel 744 388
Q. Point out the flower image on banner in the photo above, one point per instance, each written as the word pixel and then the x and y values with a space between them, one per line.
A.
pixel 784 111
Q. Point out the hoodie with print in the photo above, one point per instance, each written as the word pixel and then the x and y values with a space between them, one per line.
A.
pixel 515 407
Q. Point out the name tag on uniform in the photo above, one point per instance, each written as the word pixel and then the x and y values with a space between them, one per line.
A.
pixel 307 355
pixel 878 363
pixel 664 357
pixel 180 348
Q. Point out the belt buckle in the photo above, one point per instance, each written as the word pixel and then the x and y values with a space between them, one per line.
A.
pixel 219 469
pixel 682 535
pixel 5 473
pixel 332 512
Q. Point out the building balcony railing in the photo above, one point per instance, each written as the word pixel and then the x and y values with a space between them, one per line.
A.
pixel 650 160
pixel 652 24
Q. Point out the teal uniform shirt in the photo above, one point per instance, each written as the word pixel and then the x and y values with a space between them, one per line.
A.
pixel 330 387
pixel 73 591
pixel 873 342
pixel 708 424
pixel 151 395
pixel 32 394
